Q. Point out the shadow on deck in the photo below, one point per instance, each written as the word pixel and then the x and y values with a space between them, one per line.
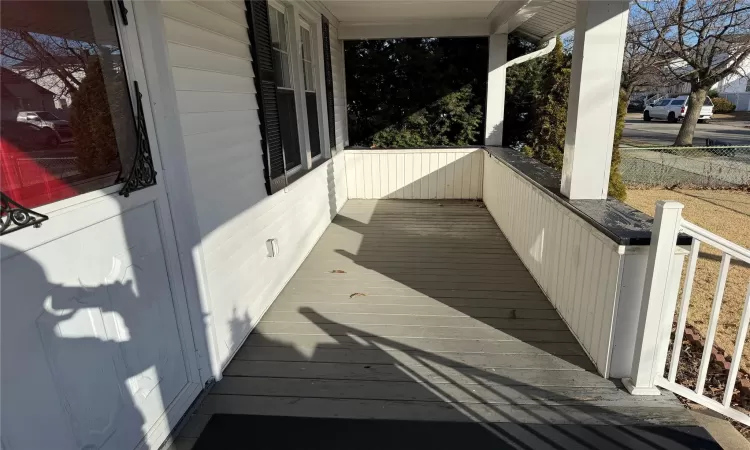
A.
pixel 413 324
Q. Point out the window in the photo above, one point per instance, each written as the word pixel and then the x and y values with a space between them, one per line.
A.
pixel 283 49
pixel 280 44
pixel 663 103
pixel 284 88
pixel 678 102
pixel 707 102
pixel 307 59
pixel 311 98
pixel 48 152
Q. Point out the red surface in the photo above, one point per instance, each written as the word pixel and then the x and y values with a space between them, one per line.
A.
pixel 24 179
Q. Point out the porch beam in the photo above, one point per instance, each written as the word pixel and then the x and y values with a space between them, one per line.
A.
pixel 496 78
pixel 594 93
pixel 414 29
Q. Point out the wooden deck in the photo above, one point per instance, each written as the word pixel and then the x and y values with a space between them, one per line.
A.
pixel 417 310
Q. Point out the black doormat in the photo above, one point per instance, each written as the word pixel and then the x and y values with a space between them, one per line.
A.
pixel 230 432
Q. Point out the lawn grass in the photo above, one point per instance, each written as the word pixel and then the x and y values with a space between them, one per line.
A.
pixel 726 213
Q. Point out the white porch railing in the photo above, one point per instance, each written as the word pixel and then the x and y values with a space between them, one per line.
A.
pixel 658 309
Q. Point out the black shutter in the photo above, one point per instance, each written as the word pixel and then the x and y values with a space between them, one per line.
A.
pixel 265 87
pixel 329 81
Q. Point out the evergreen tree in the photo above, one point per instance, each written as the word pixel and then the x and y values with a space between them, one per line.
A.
pixel 616 185
pixel 91 118
pixel 521 93
pixel 548 133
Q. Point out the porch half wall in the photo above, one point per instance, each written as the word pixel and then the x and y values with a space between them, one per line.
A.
pixel 577 267
pixel 415 173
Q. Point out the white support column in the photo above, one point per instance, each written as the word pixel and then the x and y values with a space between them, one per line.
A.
pixel 659 301
pixel 598 49
pixel 498 50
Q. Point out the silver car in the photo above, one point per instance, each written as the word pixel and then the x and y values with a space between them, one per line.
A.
pixel 49 121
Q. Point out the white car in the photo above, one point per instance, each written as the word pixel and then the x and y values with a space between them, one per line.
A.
pixel 48 121
pixel 674 109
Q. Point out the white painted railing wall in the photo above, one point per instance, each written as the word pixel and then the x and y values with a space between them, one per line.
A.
pixel 576 266
pixel 415 174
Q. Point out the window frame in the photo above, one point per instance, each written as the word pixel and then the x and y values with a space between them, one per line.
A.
pixel 313 21
pixel 306 27
pixel 297 16
pixel 279 9
pixel 133 58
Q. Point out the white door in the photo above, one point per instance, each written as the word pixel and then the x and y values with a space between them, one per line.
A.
pixel 97 350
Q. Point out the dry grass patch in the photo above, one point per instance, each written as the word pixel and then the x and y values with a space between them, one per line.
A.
pixel 726 213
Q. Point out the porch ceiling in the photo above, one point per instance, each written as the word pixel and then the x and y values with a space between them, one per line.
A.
pixel 367 19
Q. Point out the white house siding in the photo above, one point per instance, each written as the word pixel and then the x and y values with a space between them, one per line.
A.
pixel 339 88
pixel 210 60
pixel 415 174
pixel 577 267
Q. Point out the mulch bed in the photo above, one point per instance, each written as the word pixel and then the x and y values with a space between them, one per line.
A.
pixel 716 378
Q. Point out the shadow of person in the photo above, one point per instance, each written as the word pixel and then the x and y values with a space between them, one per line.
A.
pixel 75 360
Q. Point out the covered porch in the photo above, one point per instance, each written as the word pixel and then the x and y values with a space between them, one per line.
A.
pixel 413 323
pixel 459 295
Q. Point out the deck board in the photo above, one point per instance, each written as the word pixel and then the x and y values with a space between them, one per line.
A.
pixel 420 310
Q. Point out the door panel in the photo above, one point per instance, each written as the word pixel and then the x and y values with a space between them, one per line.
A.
pixel 90 337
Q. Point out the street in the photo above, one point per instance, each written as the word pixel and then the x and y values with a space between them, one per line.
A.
pixel 659 132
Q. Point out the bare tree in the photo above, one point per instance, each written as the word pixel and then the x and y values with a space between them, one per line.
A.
pixel 700 43
pixel 640 65
pixel 59 61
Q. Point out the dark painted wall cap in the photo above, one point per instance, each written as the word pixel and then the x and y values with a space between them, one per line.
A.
pixel 620 222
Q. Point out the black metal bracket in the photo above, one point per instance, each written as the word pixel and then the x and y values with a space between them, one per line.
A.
pixel 14 217
pixel 142 174
pixel 123 11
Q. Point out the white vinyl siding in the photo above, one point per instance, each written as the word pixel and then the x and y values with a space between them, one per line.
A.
pixel 415 174
pixel 339 89
pixel 210 58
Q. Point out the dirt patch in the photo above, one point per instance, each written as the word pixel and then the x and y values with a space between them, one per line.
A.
pixel 726 213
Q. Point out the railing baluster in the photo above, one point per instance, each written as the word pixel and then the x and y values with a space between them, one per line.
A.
pixel 738 347
pixel 713 322
pixel 687 291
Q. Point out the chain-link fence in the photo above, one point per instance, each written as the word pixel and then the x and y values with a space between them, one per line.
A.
pixel 712 166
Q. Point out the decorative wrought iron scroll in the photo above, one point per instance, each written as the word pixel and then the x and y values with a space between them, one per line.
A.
pixel 142 174
pixel 14 216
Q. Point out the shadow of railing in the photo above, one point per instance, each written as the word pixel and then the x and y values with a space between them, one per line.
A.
pixel 347 388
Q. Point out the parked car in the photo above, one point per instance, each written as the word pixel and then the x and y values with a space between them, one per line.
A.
pixel 674 109
pixel 28 136
pixel 45 119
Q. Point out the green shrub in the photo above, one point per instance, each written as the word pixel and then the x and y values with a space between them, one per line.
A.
pixel 548 132
pixel 722 105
